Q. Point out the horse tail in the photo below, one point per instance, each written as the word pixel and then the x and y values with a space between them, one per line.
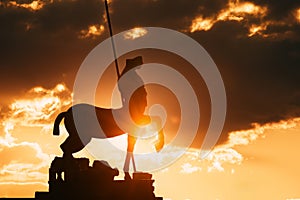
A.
pixel 57 122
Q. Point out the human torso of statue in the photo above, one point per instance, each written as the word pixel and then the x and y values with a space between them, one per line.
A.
pixel 136 101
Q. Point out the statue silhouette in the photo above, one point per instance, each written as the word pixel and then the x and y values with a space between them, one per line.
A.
pixel 137 104
pixel 78 180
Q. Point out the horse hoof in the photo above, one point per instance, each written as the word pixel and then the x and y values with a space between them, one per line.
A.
pixel 127 176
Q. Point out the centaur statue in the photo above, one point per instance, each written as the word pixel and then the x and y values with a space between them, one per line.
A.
pixel 105 117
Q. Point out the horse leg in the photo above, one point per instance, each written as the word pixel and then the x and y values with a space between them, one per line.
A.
pixel 133 163
pixel 129 155
pixel 160 141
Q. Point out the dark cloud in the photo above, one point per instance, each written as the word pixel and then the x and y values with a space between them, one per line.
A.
pixel 73 15
pixel 261 74
pixel 168 13
pixel 42 47
pixel 277 9
pixel 127 14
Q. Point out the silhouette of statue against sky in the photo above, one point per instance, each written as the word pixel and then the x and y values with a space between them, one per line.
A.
pixel 137 103
pixel 82 129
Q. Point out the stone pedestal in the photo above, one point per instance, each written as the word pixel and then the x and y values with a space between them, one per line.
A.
pixel 75 179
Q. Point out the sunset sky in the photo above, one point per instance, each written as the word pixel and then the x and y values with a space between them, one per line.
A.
pixel 255 44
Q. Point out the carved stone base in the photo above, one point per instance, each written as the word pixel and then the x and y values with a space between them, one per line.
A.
pixel 75 179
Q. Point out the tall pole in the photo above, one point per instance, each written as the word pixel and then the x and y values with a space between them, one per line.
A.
pixel 112 39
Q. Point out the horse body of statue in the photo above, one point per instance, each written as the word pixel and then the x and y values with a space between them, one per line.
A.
pixel 77 141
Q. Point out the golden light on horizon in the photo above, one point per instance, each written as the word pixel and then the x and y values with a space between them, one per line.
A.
pixel 135 33
pixel 40 105
pixel 26 145
pixel 92 31
pixel 248 161
pixel 244 137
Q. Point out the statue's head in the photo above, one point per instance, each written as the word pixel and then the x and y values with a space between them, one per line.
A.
pixel 134 61
pixel 131 63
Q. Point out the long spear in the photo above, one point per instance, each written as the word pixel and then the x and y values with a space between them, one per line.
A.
pixel 112 39
pixel 115 55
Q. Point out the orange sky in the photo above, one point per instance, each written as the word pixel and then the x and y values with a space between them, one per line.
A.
pixel 259 163
pixel 255 45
